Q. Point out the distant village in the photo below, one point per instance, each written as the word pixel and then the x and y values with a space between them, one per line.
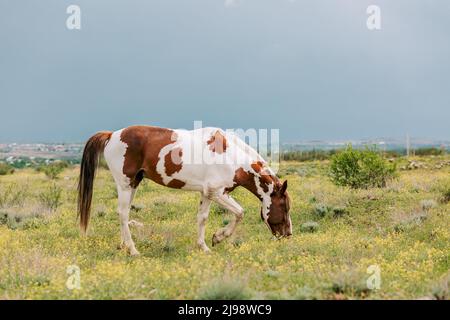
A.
pixel 34 154
pixel 27 155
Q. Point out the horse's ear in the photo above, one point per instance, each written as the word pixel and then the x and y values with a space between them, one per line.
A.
pixel 283 187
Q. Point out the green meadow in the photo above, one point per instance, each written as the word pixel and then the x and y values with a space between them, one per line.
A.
pixel 341 235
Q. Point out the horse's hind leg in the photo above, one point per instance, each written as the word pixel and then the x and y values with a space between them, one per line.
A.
pixel 125 197
pixel 224 200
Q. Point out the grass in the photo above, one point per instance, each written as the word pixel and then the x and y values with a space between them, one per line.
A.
pixel 403 228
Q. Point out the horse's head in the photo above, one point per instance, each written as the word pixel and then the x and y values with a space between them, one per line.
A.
pixel 278 218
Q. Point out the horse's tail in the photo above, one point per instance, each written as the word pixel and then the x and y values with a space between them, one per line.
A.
pixel 91 155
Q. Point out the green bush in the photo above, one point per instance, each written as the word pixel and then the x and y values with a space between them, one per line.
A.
pixel 307 155
pixel 429 151
pixel 53 169
pixel 51 197
pixel 322 210
pixel 13 195
pixel 5 169
pixel 360 168
pixel 28 217
pixel 445 194
pixel 309 226
pixel 411 221
pixel 306 293
pixel 440 290
pixel 428 204
pixel 3 218
pixel 350 284
pixel 340 211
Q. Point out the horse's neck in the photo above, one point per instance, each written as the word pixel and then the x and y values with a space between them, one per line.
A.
pixel 260 184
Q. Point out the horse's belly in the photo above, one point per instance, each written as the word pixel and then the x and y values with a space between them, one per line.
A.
pixel 206 177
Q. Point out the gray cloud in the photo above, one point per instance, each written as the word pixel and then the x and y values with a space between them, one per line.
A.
pixel 311 68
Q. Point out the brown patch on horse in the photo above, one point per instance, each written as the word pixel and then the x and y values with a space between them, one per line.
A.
pixel 177 184
pixel 172 161
pixel 265 178
pixel 245 179
pixel 257 166
pixel 264 182
pixel 217 143
pixel 143 146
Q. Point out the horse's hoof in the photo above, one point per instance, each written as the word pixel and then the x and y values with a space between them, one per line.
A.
pixel 204 248
pixel 134 253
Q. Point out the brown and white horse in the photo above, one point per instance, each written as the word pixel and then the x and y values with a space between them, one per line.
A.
pixel 208 160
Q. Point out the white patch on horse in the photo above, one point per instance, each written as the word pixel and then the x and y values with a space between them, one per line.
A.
pixel 202 170
pixel 266 200
pixel 114 154
pixel 265 196
pixel 161 164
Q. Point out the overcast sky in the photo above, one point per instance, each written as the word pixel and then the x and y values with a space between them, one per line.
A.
pixel 310 68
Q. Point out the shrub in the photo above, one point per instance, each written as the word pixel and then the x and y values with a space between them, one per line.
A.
pixel 225 221
pixel 13 195
pixel 339 211
pixel 101 210
pixel 445 194
pixel 53 169
pixel 225 289
pixel 137 207
pixel 51 197
pixel 428 204
pixel 287 171
pixel 350 284
pixel 407 222
pixel 440 290
pixel 5 169
pixel 27 217
pixel 306 293
pixel 360 169
pixel 309 226
pixel 237 242
pixel 3 218
pixel 429 151
pixel 308 155
pixel 5 196
pixel 320 210
pixel 169 243
pixel 272 273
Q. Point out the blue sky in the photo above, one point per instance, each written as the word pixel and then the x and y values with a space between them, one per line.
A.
pixel 309 68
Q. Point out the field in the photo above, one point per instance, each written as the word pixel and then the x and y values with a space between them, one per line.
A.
pixel 403 229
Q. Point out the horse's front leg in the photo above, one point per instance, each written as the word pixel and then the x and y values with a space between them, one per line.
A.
pixel 202 216
pixel 224 200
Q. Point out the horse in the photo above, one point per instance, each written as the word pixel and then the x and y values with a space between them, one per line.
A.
pixel 208 160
